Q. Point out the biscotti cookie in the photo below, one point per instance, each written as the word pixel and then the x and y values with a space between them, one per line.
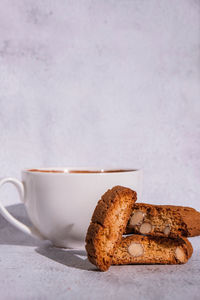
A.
pixel 164 220
pixel 138 249
pixel 108 223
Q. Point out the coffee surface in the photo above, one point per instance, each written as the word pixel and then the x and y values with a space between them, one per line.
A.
pixel 79 171
pixel 99 171
pixel 46 171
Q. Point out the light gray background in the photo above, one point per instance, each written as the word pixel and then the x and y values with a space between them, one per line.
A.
pixel 100 83
pixel 107 83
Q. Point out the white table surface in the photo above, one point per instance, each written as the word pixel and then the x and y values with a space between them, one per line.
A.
pixel 30 269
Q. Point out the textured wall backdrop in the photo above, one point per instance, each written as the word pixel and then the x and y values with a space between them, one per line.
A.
pixel 103 83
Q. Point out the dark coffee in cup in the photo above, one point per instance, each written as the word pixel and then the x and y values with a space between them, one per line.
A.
pixel 80 171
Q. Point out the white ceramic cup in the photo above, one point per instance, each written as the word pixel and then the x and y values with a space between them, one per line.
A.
pixel 60 203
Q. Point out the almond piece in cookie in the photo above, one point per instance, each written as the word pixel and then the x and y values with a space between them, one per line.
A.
pixel 165 220
pixel 138 249
pixel 145 228
pixel 135 249
pixel 108 223
pixel 136 218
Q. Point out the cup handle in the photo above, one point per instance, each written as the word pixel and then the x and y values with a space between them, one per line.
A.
pixel 4 212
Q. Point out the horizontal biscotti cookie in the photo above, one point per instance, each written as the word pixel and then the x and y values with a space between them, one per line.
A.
pixel 164 220
pixel 108 223
pixel 138 249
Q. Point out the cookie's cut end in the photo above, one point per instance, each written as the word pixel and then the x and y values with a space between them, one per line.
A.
pixel 108 223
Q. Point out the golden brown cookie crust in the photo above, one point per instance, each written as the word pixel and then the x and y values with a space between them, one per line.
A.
pixel 164 220
pixel 138 249
pixel 108 223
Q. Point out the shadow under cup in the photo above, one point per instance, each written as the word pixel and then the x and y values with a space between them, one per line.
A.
pixel 60 201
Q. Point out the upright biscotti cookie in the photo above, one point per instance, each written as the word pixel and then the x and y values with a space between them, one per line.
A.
pixel 164 220
pixel 108 223
pixel 138 249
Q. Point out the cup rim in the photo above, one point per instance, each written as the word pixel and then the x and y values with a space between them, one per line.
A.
pixel 91 170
